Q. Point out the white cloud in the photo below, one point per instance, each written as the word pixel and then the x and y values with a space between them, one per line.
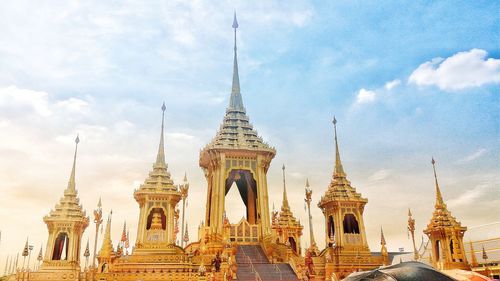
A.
pixel 468 197
pixel 379 175
pixel 365 96
pixel 392 84
pixel 73 104
pixel 34 100
pixel 460 71
pixel 478 153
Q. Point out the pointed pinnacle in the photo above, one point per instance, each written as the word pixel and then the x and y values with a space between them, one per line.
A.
pixel 382 238
pixel 185 177
pixel 307 182
pixel 160 158
pixel 99 204
pixel 71 183
pixel 285 197
pixel 409 212
pixel 339 169
pixel 439 197
pixel 235 21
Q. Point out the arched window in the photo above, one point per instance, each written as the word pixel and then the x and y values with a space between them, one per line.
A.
pixel 331 227
pixel 351 224
pixel 61 247
pixel 156 219
pixel 293 244
pixel 451 247
pixel 438 250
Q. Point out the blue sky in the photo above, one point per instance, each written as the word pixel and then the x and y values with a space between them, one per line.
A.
pixel 406 81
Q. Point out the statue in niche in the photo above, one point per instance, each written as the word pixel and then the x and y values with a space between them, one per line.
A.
pixel 156 222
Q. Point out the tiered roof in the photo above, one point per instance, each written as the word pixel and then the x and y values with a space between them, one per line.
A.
pixel 159 179
pixel 441 218
pixel 69 207
pixel 286 218
pixel 340 188
pixel 236 131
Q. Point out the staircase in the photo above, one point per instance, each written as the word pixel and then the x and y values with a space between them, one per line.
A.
pixel 253 265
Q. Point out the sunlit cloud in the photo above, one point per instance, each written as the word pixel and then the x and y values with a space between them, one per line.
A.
pixel 460 71
pixel 475 155
pixel 365 96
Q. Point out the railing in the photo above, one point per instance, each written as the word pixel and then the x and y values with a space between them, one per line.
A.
pixel 254 271
pixel 352 238
pixel 277 268
pixel 244 232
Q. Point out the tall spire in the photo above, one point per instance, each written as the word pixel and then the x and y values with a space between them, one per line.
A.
pixel 160 158
pixel 339 169
pixel 439 197
pixel 285 205
pixel 72 184
pixel 107 245
pixel 236 101
pixel 382 237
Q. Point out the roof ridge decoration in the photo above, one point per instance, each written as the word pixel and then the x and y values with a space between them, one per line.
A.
pixel 236 131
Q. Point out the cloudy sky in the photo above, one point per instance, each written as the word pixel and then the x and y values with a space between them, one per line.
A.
pixel 406 82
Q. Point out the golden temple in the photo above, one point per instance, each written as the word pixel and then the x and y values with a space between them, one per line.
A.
pixel 263 245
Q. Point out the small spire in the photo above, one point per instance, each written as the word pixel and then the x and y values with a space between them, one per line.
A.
pixel 339 169
pixel 185 177
pixel 285 206
pixel 439 197
pixel 236 101
pixel 26 249
pixel 307 183
pixel 160 158
pixel 124 232
pixel 409 212
pixel 186 235
pixel 107 246
pixel 99 204
pixel 485 256
pixel 87 250
pixel 72 184
pixel 40 254
pixel 382 238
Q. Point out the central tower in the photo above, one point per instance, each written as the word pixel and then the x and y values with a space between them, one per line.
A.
pixel 236 155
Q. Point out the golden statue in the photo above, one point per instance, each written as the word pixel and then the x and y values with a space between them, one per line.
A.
pixel 156 222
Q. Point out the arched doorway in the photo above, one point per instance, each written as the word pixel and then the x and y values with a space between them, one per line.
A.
pixel 351 224
pixel 61 247
pixel 293 244
pixel 331 227
pixel 247 187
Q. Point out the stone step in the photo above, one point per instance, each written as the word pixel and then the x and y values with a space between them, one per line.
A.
pixel 251 258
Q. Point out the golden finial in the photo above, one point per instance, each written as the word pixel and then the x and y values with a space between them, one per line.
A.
pixel 71 184
pixel 160 158
pixel 339 169
pixel 382 238
pixel 285 198
pixel 439 197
